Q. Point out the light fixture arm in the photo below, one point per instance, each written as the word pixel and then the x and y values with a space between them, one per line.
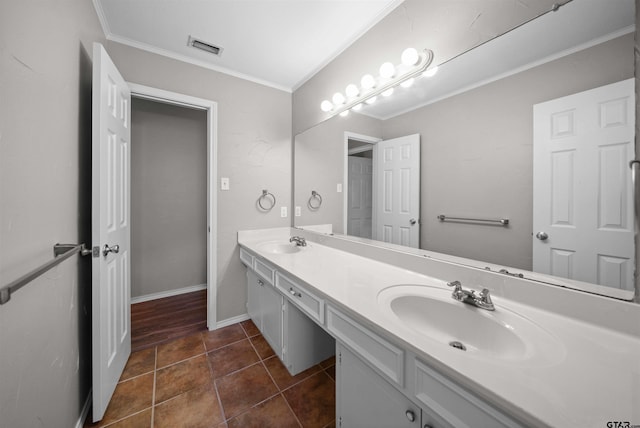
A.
pixel 426 58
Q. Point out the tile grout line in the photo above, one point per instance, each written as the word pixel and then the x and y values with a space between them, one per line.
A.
pixel 280 391
pixel 215 385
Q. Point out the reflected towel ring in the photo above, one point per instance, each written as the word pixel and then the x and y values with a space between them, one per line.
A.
pixel 315 201
pixel 268 196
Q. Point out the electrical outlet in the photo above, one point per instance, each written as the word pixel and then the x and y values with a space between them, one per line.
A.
pixel 339 188
pixel 224 183
pixel 298 211
pixel 283 212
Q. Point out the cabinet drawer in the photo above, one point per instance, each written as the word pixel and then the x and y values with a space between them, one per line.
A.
pixel 381 354
pixel 264 270
pixel 453 404
pixel 305 300
pixel 246 258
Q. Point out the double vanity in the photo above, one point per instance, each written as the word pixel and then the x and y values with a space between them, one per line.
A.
pixel 424 342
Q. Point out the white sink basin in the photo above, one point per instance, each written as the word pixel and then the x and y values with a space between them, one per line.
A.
pixel 279 247
pixel 502 334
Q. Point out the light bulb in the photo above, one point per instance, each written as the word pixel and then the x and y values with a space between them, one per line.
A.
pixel 357 107
pixel 387 92
pixel 344 113
pixel 368 82
pixel 407 83
pixel 338 98
pixel 326 106
pixel 352 91
pixel 371 100
pixel 431 72
pixel 410 57
pixel 387 70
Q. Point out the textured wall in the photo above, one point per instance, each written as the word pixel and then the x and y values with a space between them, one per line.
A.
pixel 45 198
pixel 254 151
pixel 168 197
pixel 320 166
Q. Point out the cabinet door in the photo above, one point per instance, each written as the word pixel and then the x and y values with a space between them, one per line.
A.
pixel 364 399
pixel 253 298
pixel 271 305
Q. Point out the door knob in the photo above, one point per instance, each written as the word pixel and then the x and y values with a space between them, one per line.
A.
pixel 542 236
pixel 110 249
pixel 412 221
pixel 410 415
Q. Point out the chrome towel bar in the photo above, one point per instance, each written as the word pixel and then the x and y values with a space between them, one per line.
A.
pixel 61 252
pixel 501 221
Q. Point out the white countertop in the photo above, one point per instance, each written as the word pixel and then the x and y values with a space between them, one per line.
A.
pixel 590 378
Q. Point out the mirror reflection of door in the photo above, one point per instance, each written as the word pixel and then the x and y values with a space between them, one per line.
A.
pixel 397 193
pixel 360 190
pixel 583 201
pixel 383 190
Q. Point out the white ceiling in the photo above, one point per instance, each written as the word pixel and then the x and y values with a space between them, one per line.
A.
pixel 280 43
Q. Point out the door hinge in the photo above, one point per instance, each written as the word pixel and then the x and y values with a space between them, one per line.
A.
pixel 340 421
pixel 284 307
pixel 339 357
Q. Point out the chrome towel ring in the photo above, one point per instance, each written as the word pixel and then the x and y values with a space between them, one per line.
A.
pixel 266 201
pixel 315 201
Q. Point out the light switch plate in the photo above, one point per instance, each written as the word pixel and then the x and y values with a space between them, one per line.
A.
pixel 283 212
pixel 339 188
pixel 298 211
pixel 224 183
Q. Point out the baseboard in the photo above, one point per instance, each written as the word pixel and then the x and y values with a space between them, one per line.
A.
pixel 85 410
pixel 231 321
pixel 169 293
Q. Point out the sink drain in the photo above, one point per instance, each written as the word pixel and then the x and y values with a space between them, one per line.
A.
pixel 458 345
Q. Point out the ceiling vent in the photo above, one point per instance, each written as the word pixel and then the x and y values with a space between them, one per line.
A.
pixel 207 47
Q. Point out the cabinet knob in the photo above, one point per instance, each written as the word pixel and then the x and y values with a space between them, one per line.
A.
pixel 260 282
pixel 427 426
pixel 294 292
pixel 411 415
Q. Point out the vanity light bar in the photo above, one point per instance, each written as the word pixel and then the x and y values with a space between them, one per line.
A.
pixel 425 58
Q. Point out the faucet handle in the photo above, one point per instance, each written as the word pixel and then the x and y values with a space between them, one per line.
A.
pixel 456 284
pixel 484 296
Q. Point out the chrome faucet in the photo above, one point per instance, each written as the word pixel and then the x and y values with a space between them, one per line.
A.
pixel 300 241
pixel 481 300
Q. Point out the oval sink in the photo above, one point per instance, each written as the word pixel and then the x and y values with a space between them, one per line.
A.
pixel 279 247
pixel 435 315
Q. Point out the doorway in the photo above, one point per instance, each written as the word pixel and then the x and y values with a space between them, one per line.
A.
pixel 189 108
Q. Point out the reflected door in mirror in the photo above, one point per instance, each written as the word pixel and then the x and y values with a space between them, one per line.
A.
pixel 583 201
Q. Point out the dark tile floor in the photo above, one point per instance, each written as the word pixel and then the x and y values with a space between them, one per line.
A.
pixel 225 378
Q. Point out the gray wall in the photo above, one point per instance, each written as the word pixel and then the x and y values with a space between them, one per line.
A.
pixel 477 152
pixel 320 166
pixel 254 151
pixel 168 197
pixel 45 198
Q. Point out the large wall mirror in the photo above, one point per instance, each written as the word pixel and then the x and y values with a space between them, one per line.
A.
pixel 500 131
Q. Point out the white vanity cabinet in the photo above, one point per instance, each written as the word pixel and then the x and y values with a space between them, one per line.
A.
pixel 264 305
pixel 365 399
pixel 285 316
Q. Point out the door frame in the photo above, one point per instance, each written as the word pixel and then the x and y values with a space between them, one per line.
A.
pixel 345 169
pixel 211 107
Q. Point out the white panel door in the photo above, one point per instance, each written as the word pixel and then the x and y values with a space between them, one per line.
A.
pixel 111 288
pixel 397 174
pixel 583 198
pixel 360 194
